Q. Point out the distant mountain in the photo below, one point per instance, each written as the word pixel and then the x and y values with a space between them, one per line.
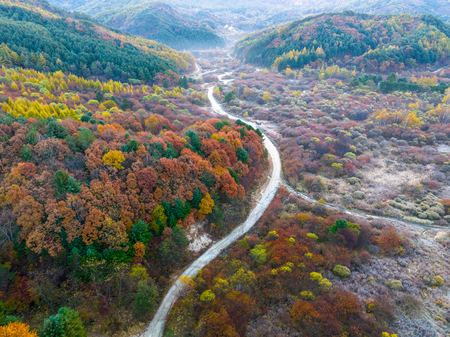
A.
pixel 91 6
pixel 274 13
pixel 160 22
pixel 440 8
pixel 372 42
pixel 37 35
pixel 152 20
pixel 251 15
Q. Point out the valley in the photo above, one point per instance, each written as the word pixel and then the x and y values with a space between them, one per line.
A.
pixel 199 169
pixel 427 232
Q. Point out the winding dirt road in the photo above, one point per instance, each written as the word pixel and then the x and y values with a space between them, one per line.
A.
pixel 156 327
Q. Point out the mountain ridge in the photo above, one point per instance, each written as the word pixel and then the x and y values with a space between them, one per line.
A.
pixel 160 22
pixel 364 40
pixel 72 42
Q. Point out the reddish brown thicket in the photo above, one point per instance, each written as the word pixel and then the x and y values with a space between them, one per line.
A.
pixel 290 253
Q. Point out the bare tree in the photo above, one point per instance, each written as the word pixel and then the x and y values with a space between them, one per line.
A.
pixel 7 226
pixel 444 115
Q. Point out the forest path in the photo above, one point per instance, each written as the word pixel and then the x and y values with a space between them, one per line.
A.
pixel 156 327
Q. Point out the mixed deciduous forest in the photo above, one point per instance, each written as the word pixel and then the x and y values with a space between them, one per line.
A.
pixel 280 280
pixel 370 42
pixel 33 37
pixel 101 181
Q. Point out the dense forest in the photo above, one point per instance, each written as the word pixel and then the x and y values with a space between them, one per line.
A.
pixel 371 42
pixel 160 22
pixel 100 183
pixel 35 38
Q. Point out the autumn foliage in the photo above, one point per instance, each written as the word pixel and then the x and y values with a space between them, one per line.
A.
pixel 85 195
pixel 16 329
pixel 261 281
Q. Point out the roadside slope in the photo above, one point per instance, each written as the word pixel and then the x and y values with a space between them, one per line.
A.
pixel 156 327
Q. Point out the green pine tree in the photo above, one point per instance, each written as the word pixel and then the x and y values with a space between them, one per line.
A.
pixel 25 153
pixel 196 199
pixel 146 297
pixel 126 104
pixel 99 97
pixel 65 323
pixel 242 155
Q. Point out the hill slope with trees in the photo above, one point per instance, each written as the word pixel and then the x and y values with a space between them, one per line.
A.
pixel 160 22
pixel 101 183
pixel 52 40
pixel 436 7
pixel 367 41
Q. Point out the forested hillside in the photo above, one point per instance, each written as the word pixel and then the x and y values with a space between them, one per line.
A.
pixel 100 181
pixel 371 42
pixel 37 38
pixel 302 8
pixel 160 22
pixel 439 8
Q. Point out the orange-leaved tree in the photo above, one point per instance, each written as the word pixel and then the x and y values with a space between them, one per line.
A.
pixel 228 185
pixel 139 251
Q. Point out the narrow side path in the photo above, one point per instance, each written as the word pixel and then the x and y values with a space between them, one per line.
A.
pixel 362 214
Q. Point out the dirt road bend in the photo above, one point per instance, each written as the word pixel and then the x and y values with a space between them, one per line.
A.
pixel 156 327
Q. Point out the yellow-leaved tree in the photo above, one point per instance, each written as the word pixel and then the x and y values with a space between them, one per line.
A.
pixel 289 72
pixel 151 122
pixel 187 285
pixel 411 121
pixel 17 329
pixel 114 234
pixel 115 158
pixel 206 205
pixel 266 97
pixel 139 251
